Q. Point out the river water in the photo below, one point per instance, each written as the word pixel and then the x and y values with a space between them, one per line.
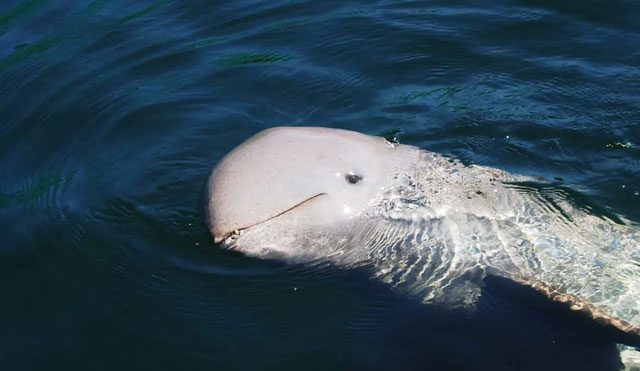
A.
pixel 112 114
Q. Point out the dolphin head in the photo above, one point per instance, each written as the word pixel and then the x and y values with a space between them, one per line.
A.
pixel 308 176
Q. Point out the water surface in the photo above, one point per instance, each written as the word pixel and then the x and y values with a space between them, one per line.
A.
pixel 112 113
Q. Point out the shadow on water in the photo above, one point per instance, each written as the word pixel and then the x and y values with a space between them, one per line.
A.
pixel 514 328
pixel 279 317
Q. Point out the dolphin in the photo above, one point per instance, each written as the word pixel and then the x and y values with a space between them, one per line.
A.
pixel 427 225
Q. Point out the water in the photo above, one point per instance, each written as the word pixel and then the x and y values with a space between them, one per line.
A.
pixel 112 113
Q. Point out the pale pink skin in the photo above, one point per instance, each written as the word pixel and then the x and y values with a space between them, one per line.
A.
pixel 296 169
pixel 285 193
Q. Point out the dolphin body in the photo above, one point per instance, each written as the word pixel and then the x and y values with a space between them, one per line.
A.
pixel 428 225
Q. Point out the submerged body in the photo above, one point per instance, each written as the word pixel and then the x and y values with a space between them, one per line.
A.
pixel 428 225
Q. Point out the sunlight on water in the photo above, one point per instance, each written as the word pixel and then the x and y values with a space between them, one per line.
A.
pixel 112 114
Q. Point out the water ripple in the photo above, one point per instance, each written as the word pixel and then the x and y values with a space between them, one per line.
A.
pixel 112 114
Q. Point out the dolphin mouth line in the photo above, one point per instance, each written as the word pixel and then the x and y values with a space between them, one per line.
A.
pixel 291 208
pixel 236 233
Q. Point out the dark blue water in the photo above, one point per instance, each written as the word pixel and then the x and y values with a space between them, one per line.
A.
pixel 112 114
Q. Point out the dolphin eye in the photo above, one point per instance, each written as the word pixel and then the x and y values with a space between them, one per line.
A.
pixel 353 178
